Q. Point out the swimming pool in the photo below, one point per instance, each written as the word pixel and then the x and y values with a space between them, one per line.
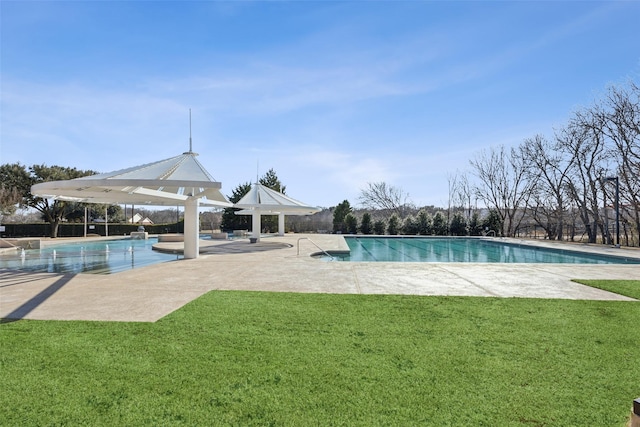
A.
pixel 459 249
pixel 97 257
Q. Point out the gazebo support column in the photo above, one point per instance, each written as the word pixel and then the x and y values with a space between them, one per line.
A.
pixel 191 229
pixel 255 225
pixel 281 224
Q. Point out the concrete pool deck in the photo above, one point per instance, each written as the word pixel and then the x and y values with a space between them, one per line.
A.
pixel 149 293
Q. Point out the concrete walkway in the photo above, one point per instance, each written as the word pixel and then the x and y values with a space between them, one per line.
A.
pixel 149 293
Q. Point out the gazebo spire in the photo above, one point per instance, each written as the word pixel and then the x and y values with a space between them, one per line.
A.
pixel 190 142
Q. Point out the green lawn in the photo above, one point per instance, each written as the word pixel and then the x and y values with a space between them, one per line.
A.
pixel 630 288
pixel 253 358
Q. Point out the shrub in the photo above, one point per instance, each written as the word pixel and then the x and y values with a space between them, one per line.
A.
pixel 393 227
pixel 365 224
pixel 458 225
pixel 379 227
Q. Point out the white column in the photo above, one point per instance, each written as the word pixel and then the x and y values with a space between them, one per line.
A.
pixel 281 224
pixel 255 225
pixel 191 228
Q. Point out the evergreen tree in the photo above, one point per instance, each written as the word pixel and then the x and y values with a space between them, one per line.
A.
pixel 458 225
pixel 339 215
pixel 492 224
pixel 270 180
pixel 378 227
pixel 352 223
pixel 366 226
pixel 231 221
pixel 440 226
pixel 424 223
pixel 475 225
pixel 393 227
pixel 410 226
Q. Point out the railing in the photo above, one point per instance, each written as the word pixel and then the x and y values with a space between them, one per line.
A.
pixel 314 244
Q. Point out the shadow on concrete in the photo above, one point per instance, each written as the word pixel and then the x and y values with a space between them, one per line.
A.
pixel 17 277
pixel 30 305
pixel 243 247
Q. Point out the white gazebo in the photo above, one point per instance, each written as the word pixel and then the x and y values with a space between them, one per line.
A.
pixel 261 200
pixel 177 181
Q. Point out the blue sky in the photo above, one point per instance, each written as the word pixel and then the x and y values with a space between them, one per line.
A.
pixel 331 95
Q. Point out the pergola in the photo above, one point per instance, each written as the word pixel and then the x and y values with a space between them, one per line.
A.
pixel 177 181
pixel 261 200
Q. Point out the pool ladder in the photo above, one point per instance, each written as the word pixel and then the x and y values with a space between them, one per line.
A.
pixel 314 244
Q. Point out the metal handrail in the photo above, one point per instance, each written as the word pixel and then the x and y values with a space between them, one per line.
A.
pixel 314 244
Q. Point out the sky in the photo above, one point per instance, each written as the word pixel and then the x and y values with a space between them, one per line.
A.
pixel 331 95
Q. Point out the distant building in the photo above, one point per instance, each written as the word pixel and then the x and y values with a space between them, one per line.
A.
pixel 138 219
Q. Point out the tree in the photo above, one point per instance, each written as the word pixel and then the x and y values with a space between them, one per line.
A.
pixel 351 223
pixel 492 224
pixel 378 227
pixel 231 221
pixel 503 185
pixel 339 215
pixel 440 226
pixel 458 226
pixel 475 225
pixel 410 226
pixel 271 180
pixel 393 226
pixel 379 195
pixel 15 184
pixel 366 226
pixel 584 139
pixel 622 127
pixel 424 222
pixel 548 169
pixel 460 193
pixel 75 212
pixel 53 211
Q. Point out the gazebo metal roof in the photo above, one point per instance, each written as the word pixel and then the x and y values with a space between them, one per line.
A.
pixel 268 201
pixel 261 200
pixel 179 180
pixel 168 182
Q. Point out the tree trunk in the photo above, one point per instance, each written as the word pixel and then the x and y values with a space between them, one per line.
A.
pixel 54 229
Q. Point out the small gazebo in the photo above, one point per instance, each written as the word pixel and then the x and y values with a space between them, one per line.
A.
pixel 261 200
pixel 177 181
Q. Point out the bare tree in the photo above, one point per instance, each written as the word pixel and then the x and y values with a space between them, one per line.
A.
pixel 621 119
pixel 503 185
pixel 380 195
pixel 548 167
pixel 584 139
pixel 460 193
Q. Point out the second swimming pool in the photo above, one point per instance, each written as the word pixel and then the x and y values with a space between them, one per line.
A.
pixel 472 250
pixel 98 257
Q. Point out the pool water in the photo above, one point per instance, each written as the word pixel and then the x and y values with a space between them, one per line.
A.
pixel 98 257
pixel 472 250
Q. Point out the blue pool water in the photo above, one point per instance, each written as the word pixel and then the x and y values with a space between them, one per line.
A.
pixel 98 257
pixel 435 249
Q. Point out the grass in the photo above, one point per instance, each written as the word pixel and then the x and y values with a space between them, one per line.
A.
pixel 630 288
pixel 252 358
